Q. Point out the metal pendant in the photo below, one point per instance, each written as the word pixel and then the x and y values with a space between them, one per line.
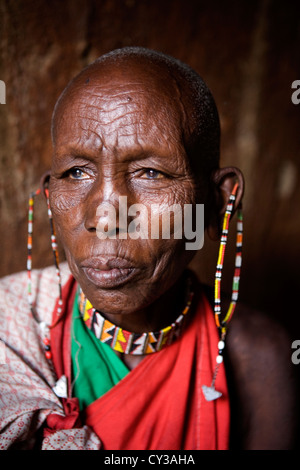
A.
pixel 210 393
pixel 60 388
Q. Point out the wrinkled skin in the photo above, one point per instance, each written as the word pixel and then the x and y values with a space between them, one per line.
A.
pixel 119 133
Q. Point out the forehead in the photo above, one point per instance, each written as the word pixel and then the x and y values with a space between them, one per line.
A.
pixel 121 109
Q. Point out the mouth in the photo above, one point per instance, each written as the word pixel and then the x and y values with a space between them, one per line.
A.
pixel 108 273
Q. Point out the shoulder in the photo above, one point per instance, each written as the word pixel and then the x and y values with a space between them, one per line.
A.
pixel 14 307
pixel 26 377
pixel 261 380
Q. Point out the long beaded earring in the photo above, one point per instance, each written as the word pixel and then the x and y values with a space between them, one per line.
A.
pixel 43 326
pixel 211 393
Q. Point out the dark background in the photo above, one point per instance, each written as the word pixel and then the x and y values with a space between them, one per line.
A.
pixel 248 52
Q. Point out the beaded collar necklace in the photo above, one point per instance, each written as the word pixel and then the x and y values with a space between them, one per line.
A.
pixel 125 341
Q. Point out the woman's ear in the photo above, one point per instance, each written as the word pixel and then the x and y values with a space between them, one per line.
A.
pixel 44 181
pixel 223 182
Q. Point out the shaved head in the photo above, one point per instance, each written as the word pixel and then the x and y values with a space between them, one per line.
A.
pixel 181 92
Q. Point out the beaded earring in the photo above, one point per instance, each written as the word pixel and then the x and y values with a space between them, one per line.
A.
pixel 43 326
pixel 211 393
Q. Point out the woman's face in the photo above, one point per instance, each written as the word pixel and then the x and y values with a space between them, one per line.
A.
pixel 115 138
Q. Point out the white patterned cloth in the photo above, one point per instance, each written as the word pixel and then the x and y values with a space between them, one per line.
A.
pixel 26 378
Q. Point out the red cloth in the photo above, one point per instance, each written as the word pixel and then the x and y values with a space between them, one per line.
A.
pixel 61 358
pixel 160 405
pixel 61 332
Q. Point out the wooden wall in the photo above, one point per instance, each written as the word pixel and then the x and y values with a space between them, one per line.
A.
pixel 248 53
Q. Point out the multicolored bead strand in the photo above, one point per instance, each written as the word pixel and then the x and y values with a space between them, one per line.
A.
pixel 29 249
pixel 238 262
pixel 209 392
pixel 43 326
pixel 55 253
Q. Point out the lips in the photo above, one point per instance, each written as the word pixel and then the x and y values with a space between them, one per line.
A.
pixel 108 273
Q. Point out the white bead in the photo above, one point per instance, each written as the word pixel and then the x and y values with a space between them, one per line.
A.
pixel 44 328
pixel 221 345
pixel 219 359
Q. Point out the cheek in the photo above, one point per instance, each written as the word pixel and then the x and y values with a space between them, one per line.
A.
pixel 159 232
pixel 67 214
pixel 166 227
pixel 63 200
pixel 165 211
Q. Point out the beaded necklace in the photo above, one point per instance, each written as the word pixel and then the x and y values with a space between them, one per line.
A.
pixel 44 327
pixel 125 341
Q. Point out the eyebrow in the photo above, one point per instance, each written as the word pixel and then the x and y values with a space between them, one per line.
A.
pixel 77 151
pixel 83 150
pixel 75 155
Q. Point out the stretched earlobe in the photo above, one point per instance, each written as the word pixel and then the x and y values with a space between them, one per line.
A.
pixel 223 181
pixel 43 189
pixel 44 181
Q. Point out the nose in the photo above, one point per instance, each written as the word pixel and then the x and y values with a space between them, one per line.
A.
pixel 112 219
pixel 106 209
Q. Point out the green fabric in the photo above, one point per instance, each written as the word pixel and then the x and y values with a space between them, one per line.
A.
pixel 95 366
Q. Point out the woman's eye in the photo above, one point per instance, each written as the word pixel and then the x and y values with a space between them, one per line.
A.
pixel 77 174
pixel 152 174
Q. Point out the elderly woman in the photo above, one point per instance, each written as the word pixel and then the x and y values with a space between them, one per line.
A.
pixel 123 354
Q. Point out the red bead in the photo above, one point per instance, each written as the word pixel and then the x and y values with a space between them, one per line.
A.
pixel 48 354
pixel 46 341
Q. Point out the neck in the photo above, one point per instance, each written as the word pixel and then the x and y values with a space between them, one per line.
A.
pixel 161 313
